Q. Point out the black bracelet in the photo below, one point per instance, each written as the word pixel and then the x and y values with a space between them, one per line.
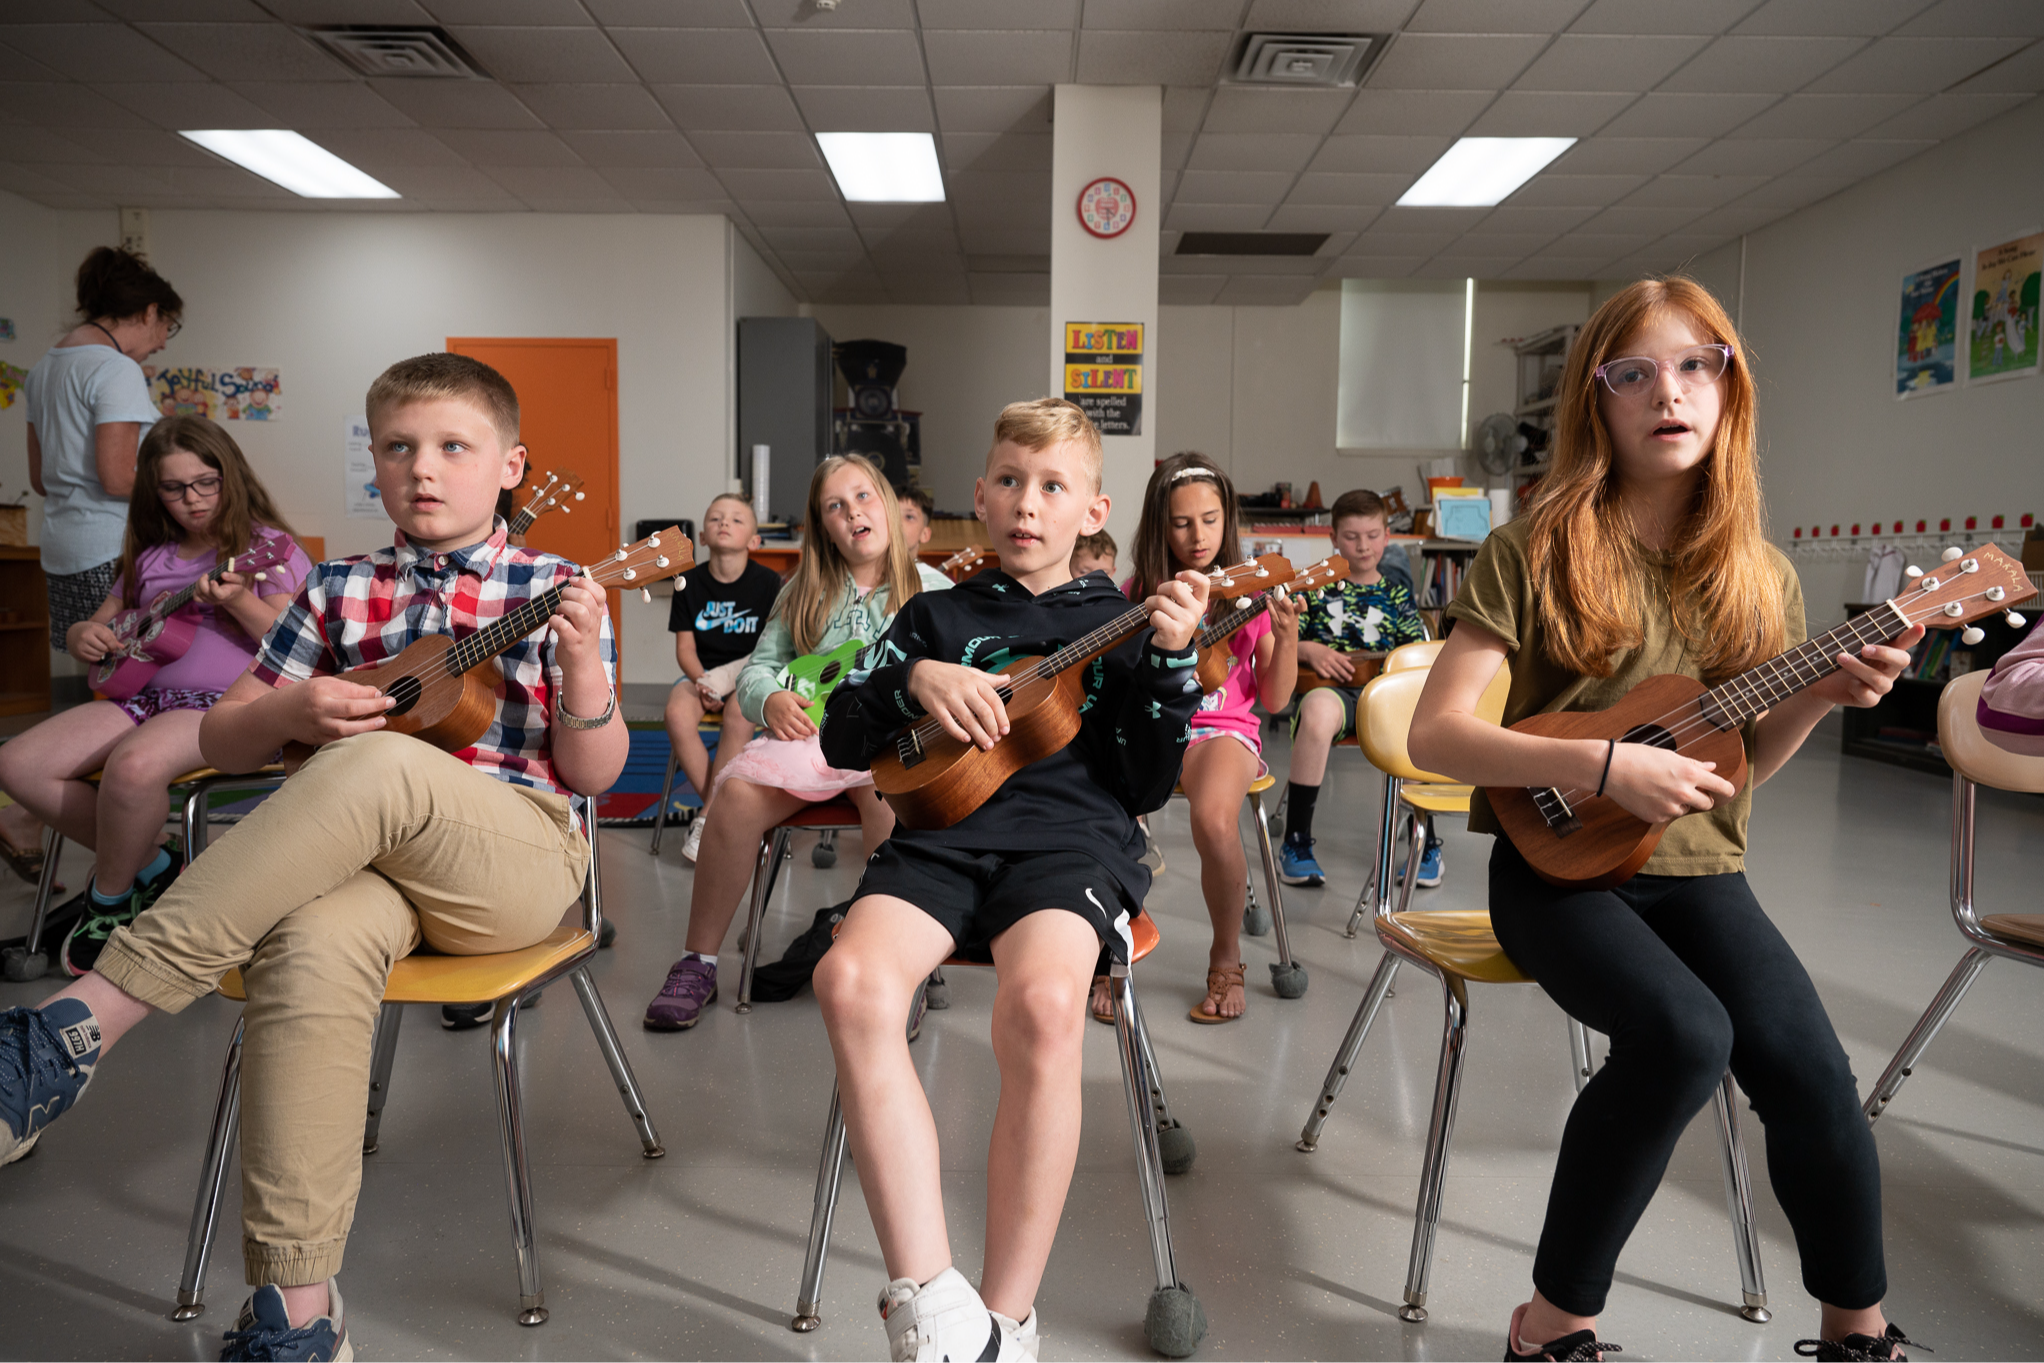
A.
pixel 1609 753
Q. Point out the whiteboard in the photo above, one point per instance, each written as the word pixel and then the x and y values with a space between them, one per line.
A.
pixel 1400 385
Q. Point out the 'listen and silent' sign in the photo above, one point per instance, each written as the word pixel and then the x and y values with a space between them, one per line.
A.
pixel 1104 374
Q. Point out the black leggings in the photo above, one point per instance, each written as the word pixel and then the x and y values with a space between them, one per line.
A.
pixel 1688 977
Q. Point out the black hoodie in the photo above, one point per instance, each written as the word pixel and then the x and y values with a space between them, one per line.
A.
pixel 1134 720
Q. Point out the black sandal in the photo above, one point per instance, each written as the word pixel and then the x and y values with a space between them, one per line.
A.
pixel 1581 1347
pixel 1860 1348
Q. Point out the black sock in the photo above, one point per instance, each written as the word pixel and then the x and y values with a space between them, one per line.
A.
pixel 1299 802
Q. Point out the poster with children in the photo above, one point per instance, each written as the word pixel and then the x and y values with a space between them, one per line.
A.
pixel 183 392
pixel 1926 341
pixel 247 393
pixel 2003 333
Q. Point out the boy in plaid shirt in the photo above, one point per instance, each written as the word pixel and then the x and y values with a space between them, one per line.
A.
pixel 380 843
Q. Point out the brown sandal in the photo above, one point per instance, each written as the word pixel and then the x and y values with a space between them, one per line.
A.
pixel 1102 1003
pixel 1220 979
pixel 26 864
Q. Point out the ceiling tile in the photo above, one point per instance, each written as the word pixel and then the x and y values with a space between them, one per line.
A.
pixel 839 240
pixel 606 107
pixel 2021 74
pixel 521 149
pixel 1375 267
pixel 1515 244
pixel 62 104
pixel 1692 191
pixel 99 52
pixel 1550 267
pixel 1863 157
pixel 1914 65
pixel 1626 155
pixel 698 208
pixel 1453 221
pixel 1407 155
pixel 1161 14
pixel 922 290
pixel 122 183
pixel 264 51
pixel 1010 189
pixel 833 56
pixel 1269 265
pixel 1247 109
pixel 1454 61
pixel 1188 217
pixel 662 149
pixel 1595 61
pixel 1185 107
pixel 822 262
pixel 139 147
pixel 876 220
pixel 552 182
pixel 993 109
pixel 747 185
pixel 1253 151
pixel 1322 188
pixel 571 200
pixel 1652 17
pixel 439 182
pixel 188 104
pixel 16 66
pixel 1010 290
pixel 997 151
pixel 1172 152
pixel 1273 291
pixel 1575 191
pixel 306 105
pixel 1973 18
pixel 29 180
pixel 998 57
pixel 733 108
pixel 1761 65
pixel 1331 218
pixel 1627 220
pixel 1820 18
pixel 807 14
pixel 1188 290
pixel 348 12
pixel 193 11
pixel 1233 187
pixel 1181 57
pixel 1534 113
pixel 1493 16
pixel 554 13
pixel 1461 267
pixel 1598 245
pixel 938 14
pixel 1687 115
pixel 456 103
pixel 661 182
pixel 757 151
pixel 545 55
pixel 1823 115
pixel 221 178
pixel 1796 191
pixel 1754 156
pixel 1328 16
pixel 1943 116
pixel 379 149
pixel 691 56
pixel 1735 219
pixel 867 109
pixel 672 13
pixel 907 248
pixel 1414 113
pixel 1689 245
pixel 1015 243
pixel 788 213
pixel 1548 220
pixel 1400 243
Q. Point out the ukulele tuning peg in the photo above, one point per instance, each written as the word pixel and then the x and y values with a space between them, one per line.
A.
pixel 1972 634
pixel 1912 571
pixel 1952 553
pixel 2015 620
pixel 262 577
pixel 660 562
pixel 1996 593
pixel 618 557
pixel 566 509
pixel 646 595
pixel 578 497
pixel 652 541
pixel 631 574
pixel 1954 608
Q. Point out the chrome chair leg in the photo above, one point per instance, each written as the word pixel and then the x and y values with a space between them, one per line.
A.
pixel 1174 1322
pixel 1926 1028
pixel 517 1173
pixel 191 1285
pixel 1415 846
pixel 830 1174
pixel 614 1056
pixel 198 807
pixel 1739 1199
pixel 1380 869
pixel 1579 1053
pixel 1426 1219
pixel 666 796
pixel 382 1053
pixel 1287 976
pixel 1345 1058
pixel 771 849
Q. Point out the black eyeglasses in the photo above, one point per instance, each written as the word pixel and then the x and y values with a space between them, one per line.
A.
pixel 202 488
pixel 175 327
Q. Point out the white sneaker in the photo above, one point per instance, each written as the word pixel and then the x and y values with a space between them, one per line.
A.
pixel 691 844
pixel 942 1321
pixel 1018 1341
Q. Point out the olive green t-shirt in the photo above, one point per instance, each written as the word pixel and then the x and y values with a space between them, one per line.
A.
pixel 1497 595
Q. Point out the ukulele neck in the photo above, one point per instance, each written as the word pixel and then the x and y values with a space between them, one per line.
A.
pixel 521 522
pixel 179 599
pixel 1747 695
pixel 1220 629
pixel 493 638
pixel 1087 647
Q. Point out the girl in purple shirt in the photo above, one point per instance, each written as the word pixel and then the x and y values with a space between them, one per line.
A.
pixel 194 498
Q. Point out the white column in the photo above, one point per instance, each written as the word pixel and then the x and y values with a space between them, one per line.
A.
pixel 1109 130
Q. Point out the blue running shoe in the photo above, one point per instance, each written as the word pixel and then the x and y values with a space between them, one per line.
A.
pixel 263 1331
pixel 1296 865
pixel 1430 868
pixel 46 1060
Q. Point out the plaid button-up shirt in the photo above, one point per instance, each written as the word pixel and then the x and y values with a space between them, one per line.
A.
pixel 356 611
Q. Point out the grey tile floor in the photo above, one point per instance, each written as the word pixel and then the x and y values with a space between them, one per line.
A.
pixel 1295 1256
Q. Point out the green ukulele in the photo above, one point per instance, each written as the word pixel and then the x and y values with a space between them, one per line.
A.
pixel 813 676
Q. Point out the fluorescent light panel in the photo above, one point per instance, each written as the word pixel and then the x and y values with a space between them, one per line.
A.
pixel 884 167
pixel 285 158
pixel 1480 171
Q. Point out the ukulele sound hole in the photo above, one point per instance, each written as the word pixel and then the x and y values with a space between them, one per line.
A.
pixel 406 692
pixel 1653 735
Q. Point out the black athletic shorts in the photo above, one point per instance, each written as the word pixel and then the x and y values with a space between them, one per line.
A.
pixel 977 897
pixel 1348 696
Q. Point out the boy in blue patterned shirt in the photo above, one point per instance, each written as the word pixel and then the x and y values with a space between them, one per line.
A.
pixel 1366 614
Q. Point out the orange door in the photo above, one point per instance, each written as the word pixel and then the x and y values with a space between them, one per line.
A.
pixel 567 403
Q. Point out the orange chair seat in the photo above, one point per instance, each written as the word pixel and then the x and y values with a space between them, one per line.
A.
pixel 2016 927
pixel 829 814
pixel 1460 941
pixel 428 977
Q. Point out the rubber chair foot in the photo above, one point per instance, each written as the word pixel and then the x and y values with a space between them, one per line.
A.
pixel 1412 1315
pixel 1256 921
pixel 1175 1148
pixel 937 995
pixel 19 967
pixel 533 1315
pixel 1288 980
pixel 188 1311
pixel 1759 1315
pixel 1175 1322
pixel 802 1325
pixel 822 857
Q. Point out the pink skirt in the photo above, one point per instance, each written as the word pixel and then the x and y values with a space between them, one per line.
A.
pixel 796 767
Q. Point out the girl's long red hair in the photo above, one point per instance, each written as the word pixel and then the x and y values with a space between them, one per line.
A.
pixel 1725 594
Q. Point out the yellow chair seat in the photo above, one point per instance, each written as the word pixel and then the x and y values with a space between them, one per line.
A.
pixel 1435 799
pixel 427 977
pixel 1459 941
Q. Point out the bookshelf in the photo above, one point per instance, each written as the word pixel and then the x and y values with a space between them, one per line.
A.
pixel 24 632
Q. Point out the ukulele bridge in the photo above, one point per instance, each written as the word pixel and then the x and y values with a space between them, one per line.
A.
pixel 908 748
pixel 1561 820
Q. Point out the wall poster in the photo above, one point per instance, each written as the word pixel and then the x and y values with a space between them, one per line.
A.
pixel 358 471
pixel 246 393
pixel 1104 374
pixel 2004 315
pixel 1926 340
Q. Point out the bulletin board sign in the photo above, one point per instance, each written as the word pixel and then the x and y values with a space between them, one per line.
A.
pixel 243 393
pixel 2003 334
pixel 1927 331
pixel 1104 374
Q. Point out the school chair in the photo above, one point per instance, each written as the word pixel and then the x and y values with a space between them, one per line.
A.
pixel 1458 948
pixel 708 724
pixel 1287 976
pixel 828 819
pixel 29 961
pixel 1427 648
pixel 506 979
pixel 1975 762
pixel 1174 1321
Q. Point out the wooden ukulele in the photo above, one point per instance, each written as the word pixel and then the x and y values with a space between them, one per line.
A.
pixel 1574 838
pixel 965 563
pixel 933 780
pixel 1213 653
pixel 446 688
pixel 153 637
pixel 560 488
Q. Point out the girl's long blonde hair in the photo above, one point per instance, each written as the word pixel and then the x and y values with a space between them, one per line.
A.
pixel 242 508
pixel 820 576
pixel 1724 593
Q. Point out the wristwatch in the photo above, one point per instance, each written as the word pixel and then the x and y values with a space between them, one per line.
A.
pixel 574 721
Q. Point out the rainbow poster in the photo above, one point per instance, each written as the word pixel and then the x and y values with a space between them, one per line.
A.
pixel 1927 332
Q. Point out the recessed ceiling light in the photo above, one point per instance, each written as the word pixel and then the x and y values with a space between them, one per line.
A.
pixel 884 167
pixel 285 158
pixel 1480 171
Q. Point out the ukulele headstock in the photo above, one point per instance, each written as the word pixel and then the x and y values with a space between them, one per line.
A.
pixel 558 489
pixel 664 554
pixel 1250 575
pixel 1967 585
pixel 268 553
pixel 964 563
pixel 1328 571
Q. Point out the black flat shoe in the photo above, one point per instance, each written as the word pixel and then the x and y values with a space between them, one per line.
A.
pixel 1581 1347
pixel 1860 1348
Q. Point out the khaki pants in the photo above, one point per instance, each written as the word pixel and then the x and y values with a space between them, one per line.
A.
pixel 379 842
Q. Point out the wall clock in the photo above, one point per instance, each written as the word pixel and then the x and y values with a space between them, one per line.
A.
pixel 1107 207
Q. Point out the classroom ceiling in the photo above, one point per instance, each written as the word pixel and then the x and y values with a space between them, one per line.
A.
pixel 1699 120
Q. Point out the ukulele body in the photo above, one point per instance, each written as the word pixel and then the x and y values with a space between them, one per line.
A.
pixel 1367 666
pixel 146 646
pixel 1612 844
pixel 450 710
pixel 951 779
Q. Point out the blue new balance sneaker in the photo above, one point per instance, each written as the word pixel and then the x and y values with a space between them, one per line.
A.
pixel 263 1331
pixel 1430 868
pixel 46 1060
pixel 1296 865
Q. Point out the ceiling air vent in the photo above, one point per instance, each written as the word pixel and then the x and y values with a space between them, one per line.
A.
pixel 1250 243
pixel 1310 59
pixel 378 50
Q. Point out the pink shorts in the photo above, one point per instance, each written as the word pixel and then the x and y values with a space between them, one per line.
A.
pixel 1202 733
pixel 146 705
pixel 794 766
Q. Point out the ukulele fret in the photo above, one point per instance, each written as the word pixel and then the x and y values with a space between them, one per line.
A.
pixel 1731 703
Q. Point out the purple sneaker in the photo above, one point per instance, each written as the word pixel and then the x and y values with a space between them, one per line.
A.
pixel 691 987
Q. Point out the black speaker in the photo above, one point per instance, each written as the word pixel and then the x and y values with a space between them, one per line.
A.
pixel 871 370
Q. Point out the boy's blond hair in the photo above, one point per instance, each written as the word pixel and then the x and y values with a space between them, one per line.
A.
pixel 1049 421
pixel 427 378
pixel 732 497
